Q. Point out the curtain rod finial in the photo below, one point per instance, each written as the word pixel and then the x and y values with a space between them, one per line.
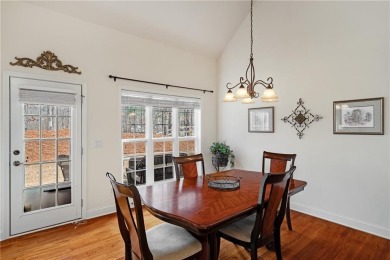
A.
pixel 110 76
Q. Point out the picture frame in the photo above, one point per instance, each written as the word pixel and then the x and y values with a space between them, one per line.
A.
pixel 359 117
pixel 261 120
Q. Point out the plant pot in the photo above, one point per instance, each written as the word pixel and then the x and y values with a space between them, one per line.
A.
pixel 220 160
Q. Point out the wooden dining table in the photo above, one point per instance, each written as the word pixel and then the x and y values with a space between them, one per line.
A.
pixel 191 204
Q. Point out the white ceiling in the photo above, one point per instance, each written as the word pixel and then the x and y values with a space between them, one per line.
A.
pixel 201 27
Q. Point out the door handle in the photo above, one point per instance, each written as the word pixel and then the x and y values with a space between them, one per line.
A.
pixel 17 163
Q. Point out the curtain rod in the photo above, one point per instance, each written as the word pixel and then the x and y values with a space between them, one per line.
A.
pixel 161 84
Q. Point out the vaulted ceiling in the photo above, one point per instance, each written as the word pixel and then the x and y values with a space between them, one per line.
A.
pixel 201 27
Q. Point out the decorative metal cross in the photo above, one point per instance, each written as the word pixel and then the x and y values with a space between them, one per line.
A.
pixel 301 118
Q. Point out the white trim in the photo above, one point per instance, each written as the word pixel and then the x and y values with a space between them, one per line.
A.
pixel 100 212
pixel 4 167
pixel 378 231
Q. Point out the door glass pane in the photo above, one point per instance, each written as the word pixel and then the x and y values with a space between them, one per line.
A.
pixel 49 173
pixel 31 109
pixel 31 199
pixel 64 147
pixel 64 172
pixel 48 150
pixel 48 110
pixel 31 126
pixel 48 127
pixel 64 194
pixel 63 127
pixel 63 111
pixel 31 175
pixel 31 152
pixel 48 196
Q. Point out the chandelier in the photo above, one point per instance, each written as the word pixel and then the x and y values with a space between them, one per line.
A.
pixel 246 92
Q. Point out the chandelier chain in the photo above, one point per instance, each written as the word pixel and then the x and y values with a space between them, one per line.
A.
pixel 251 28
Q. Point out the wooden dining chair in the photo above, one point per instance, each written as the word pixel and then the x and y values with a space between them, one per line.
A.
pixel 262 227
pixel 278 163
pixel 186 166
pixel 164 241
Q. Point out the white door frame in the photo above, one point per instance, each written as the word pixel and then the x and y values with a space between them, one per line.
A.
pixel 4 152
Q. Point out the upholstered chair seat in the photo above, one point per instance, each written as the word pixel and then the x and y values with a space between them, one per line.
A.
pixel 167 241
pixel 241 229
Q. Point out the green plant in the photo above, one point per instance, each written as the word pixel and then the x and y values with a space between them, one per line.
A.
pixel 221 148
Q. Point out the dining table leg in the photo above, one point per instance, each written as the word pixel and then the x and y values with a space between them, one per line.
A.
pixel 212 237
pixel 205 253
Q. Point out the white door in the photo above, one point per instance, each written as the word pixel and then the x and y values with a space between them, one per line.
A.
pixel 45 153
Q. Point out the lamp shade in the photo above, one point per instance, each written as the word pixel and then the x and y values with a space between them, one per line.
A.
pixel 229 97
pixel 242 93
pixel 247 101
pixel 269 95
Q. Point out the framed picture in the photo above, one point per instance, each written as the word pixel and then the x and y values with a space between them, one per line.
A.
pixel 360 116
pixel 261 120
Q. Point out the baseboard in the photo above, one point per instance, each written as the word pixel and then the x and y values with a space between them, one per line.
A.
pixel 378 231
pixel 100 212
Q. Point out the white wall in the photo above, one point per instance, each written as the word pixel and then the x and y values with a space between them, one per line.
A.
pixel 28 30
pixel 320 52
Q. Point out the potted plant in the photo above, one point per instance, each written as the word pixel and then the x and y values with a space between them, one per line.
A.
pixel 222 154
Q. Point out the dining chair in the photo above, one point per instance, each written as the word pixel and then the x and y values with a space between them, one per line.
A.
pixel 277 162
pixel 164 241
pixel 262 227
pixel 186 166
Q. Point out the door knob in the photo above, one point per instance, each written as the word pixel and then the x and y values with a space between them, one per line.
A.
pixel 16 152
pixel 17 163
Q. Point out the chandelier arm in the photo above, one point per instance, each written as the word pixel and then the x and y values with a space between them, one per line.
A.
pixel 264 83
pixel 242 82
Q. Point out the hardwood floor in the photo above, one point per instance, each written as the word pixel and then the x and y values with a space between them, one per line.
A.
pixel 99 238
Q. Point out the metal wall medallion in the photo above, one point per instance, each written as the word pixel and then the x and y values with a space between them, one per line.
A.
pixel 301 118
pixel 47 61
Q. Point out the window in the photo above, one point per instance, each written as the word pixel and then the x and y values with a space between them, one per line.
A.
pixel 155 128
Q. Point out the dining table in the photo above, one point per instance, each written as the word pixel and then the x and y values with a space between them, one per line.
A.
pixel 190 203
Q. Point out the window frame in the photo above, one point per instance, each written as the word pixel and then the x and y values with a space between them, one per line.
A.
pixel 150 140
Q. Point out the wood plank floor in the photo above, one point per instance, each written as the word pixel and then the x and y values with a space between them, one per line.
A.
pixel 99 238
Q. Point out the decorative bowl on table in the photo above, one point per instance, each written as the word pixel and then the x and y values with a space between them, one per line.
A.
pixel 223 182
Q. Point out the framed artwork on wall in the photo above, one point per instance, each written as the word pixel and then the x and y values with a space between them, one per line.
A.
pixel 360 116
pixel 261 120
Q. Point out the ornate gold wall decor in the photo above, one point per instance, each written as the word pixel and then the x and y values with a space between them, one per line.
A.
pixel 301 118
pixel 47 61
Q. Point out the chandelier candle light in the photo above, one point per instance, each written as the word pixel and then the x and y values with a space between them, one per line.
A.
pixel 246 92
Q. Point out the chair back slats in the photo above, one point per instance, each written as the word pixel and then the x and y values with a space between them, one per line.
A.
pixel 278 161
pixel 189 170
pixel 133 219
pixel 186 166
pixel 270 214
pixel 278 166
